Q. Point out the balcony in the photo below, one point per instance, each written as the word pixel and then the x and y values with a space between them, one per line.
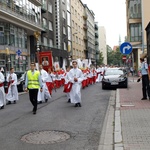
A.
pixel 44 30
pixel 44 8
pixel 85 27
pixel 96 35
pixel 19 16
pixel 36 2
pixel 97 52
pixel 96 27
pixel 85 16
pixel 96 43
pixel 85 38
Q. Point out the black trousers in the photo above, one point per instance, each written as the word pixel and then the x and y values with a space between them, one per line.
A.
pixel 145 86
pixel 33 93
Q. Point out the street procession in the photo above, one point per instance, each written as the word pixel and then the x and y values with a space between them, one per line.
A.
pixel 42 80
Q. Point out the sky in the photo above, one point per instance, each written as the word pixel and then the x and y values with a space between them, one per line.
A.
pixel 112 15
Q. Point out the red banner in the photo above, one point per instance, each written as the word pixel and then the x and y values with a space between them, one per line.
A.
pixel 45 58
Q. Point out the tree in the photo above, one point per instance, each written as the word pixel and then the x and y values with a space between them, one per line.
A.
pixel 114 57
pixel 101 58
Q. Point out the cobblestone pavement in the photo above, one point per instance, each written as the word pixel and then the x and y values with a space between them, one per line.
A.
pixel 135 118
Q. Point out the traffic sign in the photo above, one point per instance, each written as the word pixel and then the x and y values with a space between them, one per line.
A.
pixel 18 52
pixel 126 48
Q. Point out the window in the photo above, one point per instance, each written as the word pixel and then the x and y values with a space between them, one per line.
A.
pixel 51 42
pixel 45 41
pixel 50 9
pixel 64 15
pixel 50 26
pixel 136 32
pixel 44 23
pixel 64 30
pixel 65 46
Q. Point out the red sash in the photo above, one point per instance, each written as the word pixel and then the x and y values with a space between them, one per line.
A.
pixel 68 87
pixel 9 85
pixel 1 84
pixel 50 86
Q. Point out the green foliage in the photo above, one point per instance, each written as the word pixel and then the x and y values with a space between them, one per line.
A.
pixel 101 58
pixel 114 57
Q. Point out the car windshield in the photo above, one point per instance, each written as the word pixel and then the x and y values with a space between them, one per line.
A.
pixel 113 72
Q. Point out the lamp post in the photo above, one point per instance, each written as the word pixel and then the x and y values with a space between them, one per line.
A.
pixel 7 58
pixel 36 35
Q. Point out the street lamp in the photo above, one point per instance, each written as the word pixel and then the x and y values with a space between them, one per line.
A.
pixel 36 35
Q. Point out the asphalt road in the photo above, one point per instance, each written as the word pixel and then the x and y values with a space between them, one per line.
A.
pixel 83 125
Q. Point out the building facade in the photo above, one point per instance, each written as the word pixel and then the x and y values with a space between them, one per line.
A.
pixel 97 56
pixel 77 22
pixel 137 20
pixel 18 21
pixel 90 34
pixel 102 43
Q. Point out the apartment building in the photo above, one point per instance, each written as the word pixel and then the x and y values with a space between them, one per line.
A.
pixel 102 43
pixel 89 25
pixel 137 20
pixel 19 20
pixel 54 36
pixel 97 43
pixel 78 32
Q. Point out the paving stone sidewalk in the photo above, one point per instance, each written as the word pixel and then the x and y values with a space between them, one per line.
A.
pixel 134 118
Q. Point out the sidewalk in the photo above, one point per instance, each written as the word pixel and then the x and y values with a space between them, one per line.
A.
pixel 132 118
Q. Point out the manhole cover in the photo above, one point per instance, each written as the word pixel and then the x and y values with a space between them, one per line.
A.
pixel 45 137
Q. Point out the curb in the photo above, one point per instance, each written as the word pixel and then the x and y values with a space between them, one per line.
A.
pixel 107 137
pixel 118 142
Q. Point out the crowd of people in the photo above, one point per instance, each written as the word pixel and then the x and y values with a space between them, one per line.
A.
pixel 41 83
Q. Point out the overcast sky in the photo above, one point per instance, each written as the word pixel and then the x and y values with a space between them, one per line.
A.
pixel 112 15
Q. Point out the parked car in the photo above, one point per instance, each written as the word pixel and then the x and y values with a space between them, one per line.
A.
pixel 21 80
pixel 114 78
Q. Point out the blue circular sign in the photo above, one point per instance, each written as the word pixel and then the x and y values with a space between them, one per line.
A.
pixel 18 52
pixel 126 48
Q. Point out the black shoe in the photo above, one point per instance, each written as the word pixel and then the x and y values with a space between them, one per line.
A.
pixel 40 102
pixel 9 102
pixel 46 100
pixel 2 107
pixel 76 105
pixel 69 100
pixel 34 112
pixel 144 98
pixel 79 104
pixel 14 102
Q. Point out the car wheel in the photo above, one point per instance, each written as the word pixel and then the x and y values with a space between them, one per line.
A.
pixel 103 87
pixel 126 84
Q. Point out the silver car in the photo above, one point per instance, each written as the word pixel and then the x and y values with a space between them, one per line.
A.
pixel 114 78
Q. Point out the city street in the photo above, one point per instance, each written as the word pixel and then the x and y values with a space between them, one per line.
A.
pixel 58 125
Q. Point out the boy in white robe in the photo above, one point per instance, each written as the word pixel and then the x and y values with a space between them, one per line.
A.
pixel 12 95
pixel 44 95
pixel 75 76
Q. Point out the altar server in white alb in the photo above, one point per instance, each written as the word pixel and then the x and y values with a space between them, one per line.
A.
pixel 75 76
pixel 2 93
pixel 44 95
pixel 12 95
